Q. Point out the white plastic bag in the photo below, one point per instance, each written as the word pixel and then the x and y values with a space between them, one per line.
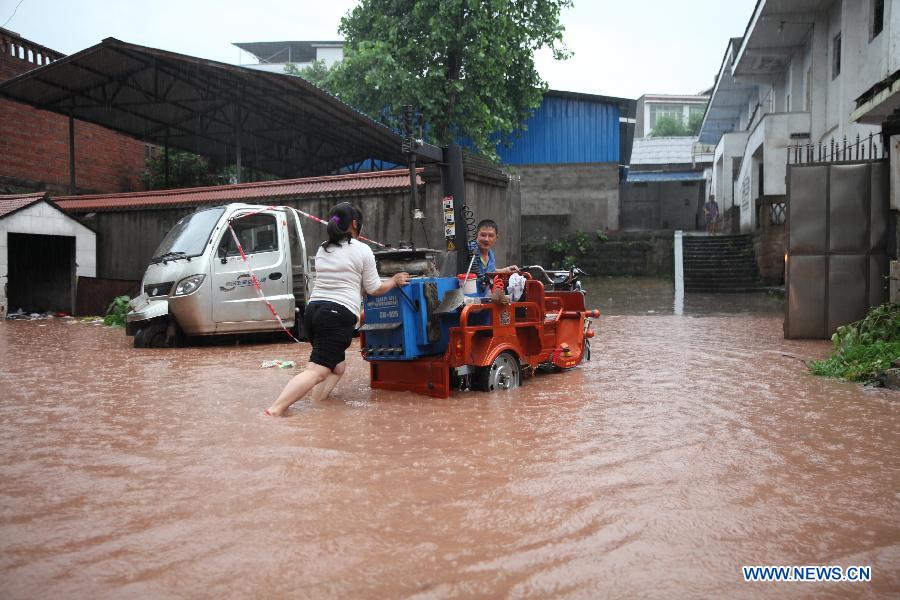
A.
pixel 516 287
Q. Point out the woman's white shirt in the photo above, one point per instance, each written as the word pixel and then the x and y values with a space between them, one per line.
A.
pixel 344 273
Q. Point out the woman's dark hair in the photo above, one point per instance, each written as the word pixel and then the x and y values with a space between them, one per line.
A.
pixel 339 220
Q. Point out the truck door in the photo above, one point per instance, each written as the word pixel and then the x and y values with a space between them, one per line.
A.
pixel 236 303
pixel 301 284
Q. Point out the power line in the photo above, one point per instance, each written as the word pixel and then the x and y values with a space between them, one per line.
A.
pixel 13 13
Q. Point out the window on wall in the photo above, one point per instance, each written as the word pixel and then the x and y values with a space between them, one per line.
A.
pixel 877 18
pixel 836 56
pixel 668 111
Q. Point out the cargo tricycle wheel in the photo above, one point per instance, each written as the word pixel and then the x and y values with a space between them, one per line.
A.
pixel 502 374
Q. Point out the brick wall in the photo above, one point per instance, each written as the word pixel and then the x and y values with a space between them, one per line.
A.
pixel 34 144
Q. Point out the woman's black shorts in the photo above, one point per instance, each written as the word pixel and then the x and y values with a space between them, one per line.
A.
pixel 330 329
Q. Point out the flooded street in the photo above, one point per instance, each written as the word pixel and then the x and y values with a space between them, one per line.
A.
pixel 689 446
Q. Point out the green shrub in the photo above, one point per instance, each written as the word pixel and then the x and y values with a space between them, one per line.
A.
pixel 569 250
pixel 865 348
pixel 116 311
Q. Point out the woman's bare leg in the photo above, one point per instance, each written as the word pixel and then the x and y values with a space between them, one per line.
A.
pixel 323 389
pixel 298 387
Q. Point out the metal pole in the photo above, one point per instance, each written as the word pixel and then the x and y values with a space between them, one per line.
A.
pixel 72 189
pixel 166 160
pixel 414 193
pixel 455 185
pixel 237 139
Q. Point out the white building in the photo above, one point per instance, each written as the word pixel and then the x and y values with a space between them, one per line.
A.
pixel 273 56
pixel 43 251
pixel 652 107
pixel 793 78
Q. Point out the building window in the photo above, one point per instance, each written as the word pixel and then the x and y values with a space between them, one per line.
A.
pixel 669 111
pixel 877 18
pixel 836 56
pixel 697 110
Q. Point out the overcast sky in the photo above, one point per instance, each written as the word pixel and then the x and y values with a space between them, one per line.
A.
pixel 622 48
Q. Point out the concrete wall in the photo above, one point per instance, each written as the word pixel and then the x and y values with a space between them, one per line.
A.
pixel 43 219
pixel 663 205
pixel 128 238
pixel 767 143
pixel 634 253
pixel 572 197
pixel 490 194
pixel 770 247
pixel 730 147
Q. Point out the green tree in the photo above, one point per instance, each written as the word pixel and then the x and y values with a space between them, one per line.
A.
pixel 188 170
pixel 694 123
pixel 467 65
pixel 185 170
pixel 316 73
pixel 669 127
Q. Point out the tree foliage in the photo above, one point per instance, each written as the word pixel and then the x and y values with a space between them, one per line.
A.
pixel 467 65
pixel 316 72
pixel 187 170
pixel 674 127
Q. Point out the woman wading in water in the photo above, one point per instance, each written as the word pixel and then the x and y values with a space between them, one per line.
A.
pixel 344 268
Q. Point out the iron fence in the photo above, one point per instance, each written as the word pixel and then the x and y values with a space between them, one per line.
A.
pixel 865 148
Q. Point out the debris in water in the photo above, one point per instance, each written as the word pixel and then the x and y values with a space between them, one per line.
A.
pixel 281 364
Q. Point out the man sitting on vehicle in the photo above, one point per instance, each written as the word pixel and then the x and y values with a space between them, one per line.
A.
pixel 487 235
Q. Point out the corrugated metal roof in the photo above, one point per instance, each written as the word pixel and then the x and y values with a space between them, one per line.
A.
pixel 285 125
pixel 662 150
pixel 261 192
pixel 647 176
pixel 567 128
pixel 10 203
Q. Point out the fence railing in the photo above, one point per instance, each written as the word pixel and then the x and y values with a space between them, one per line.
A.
pixel 865 148
pixel 23 49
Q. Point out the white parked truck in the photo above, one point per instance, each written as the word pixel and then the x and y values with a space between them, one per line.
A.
pixel 198 284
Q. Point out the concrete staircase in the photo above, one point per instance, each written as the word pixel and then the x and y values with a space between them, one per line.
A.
pixel 719 264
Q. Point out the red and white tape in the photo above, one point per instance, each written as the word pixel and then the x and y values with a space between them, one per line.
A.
pixel 253 277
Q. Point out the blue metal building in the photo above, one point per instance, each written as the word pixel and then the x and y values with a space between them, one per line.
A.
pixel 570 127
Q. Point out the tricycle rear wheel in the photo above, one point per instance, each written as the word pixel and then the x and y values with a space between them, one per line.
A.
pixel 502 374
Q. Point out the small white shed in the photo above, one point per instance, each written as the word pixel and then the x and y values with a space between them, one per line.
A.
pixel 43 251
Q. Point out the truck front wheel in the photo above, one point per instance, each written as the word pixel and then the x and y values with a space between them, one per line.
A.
pixel 154 335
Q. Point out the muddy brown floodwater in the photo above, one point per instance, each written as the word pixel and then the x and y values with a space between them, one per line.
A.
pixel 689 446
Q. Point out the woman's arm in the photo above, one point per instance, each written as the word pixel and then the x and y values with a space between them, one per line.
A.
pixel 389 284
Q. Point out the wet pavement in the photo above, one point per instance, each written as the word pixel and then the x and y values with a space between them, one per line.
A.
pixel 689 446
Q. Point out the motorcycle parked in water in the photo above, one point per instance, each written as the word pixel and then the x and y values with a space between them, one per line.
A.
pixel 558 280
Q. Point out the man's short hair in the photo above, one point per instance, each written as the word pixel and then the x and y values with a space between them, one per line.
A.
pixel 487 223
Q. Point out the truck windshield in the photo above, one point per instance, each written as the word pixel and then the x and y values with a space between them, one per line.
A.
pixel 189 236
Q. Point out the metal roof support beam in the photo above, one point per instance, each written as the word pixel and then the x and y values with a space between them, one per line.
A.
pixel 72 188
pixel 431 152
pixel 152 95
pixel 237 140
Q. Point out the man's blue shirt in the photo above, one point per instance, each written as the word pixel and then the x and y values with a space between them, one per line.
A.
pixel 478 266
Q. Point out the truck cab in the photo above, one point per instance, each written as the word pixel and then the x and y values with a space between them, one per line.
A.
pixel 200 281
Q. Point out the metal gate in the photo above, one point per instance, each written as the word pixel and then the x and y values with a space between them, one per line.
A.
pixel 837 237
